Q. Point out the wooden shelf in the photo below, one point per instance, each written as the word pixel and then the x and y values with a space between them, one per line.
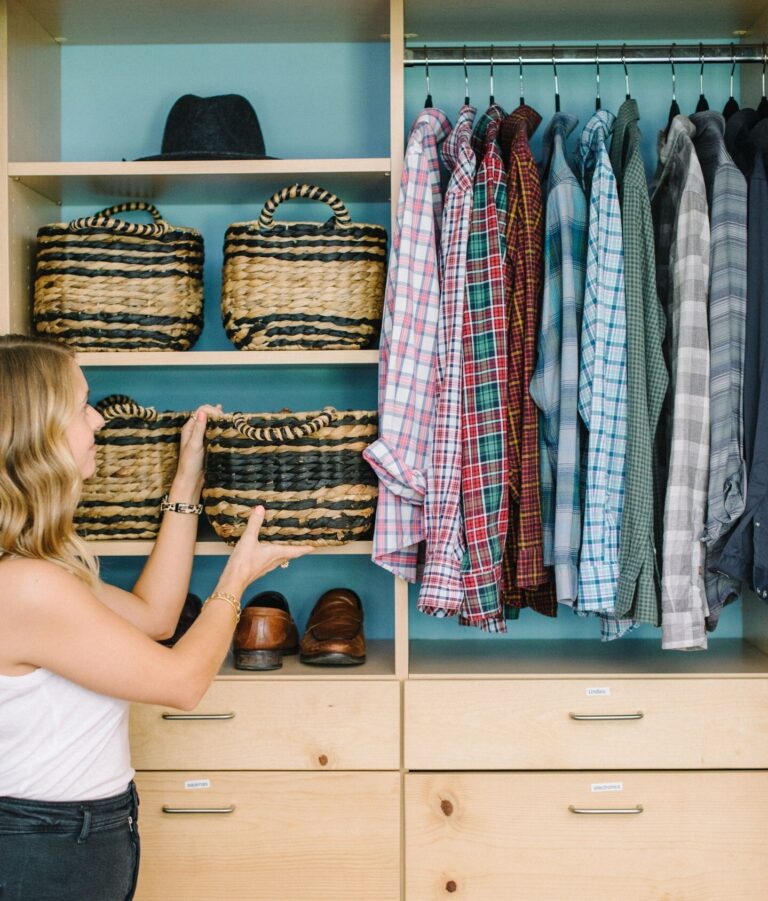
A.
pixel 213 548
pixel 231 358
pixel 520 658
pixel 379 664
pixel 201 181
pixel 202 22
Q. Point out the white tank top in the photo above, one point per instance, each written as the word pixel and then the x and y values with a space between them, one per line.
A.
pixel 60 741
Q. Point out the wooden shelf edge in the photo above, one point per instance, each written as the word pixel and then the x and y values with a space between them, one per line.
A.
pixel 214 549
pixel 203 168
pixel 379 665
pixel 230 358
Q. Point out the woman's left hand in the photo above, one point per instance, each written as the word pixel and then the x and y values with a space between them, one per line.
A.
pixel 189 471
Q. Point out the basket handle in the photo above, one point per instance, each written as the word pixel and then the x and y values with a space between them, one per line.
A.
pixel 106 219
pixel 311 192
pixel 118 406
pixel 271 434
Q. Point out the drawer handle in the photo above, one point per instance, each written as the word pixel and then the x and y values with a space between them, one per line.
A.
pixel 198 716
pixel 602 810
pixel 217 810
pixel 607 716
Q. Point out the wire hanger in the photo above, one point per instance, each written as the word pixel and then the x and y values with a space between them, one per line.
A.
pixel 674 107
pixel 731 105
pixel 762 109
pixel 626 71
pixel 557 86
pixel 428 102
pixel 702 105
pixel 520 61
pixel 491 99
pixel 466 77
pixel 598 102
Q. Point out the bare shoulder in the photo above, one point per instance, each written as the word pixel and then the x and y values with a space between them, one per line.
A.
pixel 37 583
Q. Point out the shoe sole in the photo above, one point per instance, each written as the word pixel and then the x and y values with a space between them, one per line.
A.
pixel 258 660
pixel 331 659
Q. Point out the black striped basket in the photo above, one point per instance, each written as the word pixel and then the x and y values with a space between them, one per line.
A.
pixel 303 285
pixel 306 469
pixel 102 283
pixel 136 455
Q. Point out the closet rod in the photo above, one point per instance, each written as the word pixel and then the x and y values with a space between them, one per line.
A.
pixel 584 54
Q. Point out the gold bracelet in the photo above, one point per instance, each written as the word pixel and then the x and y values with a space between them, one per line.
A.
pixel 228 599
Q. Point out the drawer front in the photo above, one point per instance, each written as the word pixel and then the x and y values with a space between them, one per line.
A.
pixel 291 836
pixel 513 837
pixel 529 724
pixel 255 725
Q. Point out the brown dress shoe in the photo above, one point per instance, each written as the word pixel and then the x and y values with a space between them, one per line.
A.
pixel 334 635
pixel 265 632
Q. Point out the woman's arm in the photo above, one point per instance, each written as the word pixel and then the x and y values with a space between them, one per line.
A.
pixel 49 618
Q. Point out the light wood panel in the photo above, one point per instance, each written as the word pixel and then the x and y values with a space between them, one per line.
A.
pixel 291 837
pixel 317 725
pixel 231 358
pixel 512 837
pixel 528 724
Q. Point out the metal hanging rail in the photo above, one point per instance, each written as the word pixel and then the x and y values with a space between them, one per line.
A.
pixel 584 54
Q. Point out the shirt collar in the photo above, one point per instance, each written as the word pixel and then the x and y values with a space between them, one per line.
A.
pixel 560 126
pixel 435 121
pixel 680 127
pixel 594 137
pixel 460 137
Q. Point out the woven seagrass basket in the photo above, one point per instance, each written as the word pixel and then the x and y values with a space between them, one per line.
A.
pixel 136 455
pixel 102 283
pixel 303 285
pixel 306 469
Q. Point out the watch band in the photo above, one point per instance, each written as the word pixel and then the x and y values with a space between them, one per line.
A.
pixel 178 507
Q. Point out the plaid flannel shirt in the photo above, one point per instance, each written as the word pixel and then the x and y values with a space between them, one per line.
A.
pixel 484 342
pixel 442 589
pixel 681 220
pixel 555 383
pixel 400 455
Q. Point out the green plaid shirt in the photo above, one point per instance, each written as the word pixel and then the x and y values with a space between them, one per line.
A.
pixel 639 585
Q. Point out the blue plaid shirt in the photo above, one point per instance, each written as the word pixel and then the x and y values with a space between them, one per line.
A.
pixel 603 380
pixel 555 383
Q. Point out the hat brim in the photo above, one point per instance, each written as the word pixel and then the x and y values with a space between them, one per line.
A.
pixel 204 155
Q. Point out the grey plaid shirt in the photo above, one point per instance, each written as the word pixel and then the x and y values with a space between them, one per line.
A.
pixel 727 196
pixel 681 222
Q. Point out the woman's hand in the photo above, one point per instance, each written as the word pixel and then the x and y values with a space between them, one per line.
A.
pixel 189 472
pixel 252 558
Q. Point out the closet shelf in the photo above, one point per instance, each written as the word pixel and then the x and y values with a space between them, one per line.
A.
pixel 379 663
pixel 230 358
pixel 559 658
pixel 213 548
pixel 201 181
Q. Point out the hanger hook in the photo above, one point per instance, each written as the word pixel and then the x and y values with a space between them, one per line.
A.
pixel 520 62
pixel 701 70
pixel 426 68
pixel 597 77
pixel 733 68
pixel 492 98
pixel 674 77
pixel 764 61
pixel 626 71
pixel 466 77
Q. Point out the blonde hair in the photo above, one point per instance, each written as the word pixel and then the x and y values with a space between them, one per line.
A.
pixel 40 482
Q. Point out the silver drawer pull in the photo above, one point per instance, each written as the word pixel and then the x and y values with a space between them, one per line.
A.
pixel 607 716
pixel 198 716
pixel 218 810
pixel 602 810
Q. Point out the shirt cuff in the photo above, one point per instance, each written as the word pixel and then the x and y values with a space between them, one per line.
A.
pixel 385 461
pixel 442 588
pixel 683 630
pixel 566 583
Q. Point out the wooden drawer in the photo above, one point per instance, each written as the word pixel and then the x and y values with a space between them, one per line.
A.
pixel 512 837
pixel 303 725
pixel 291 836
pixel 528 724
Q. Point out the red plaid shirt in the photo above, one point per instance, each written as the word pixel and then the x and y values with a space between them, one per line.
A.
pixel 526 582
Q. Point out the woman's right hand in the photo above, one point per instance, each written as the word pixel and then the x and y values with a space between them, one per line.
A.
pixel 252 558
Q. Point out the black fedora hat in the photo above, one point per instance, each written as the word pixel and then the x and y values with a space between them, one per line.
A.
pixel 212 128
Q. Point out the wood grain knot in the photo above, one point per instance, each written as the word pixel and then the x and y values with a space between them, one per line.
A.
pixel 322 760
pixel 450 886
pixel 446 807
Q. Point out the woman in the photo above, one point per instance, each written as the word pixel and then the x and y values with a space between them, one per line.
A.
pixel 74 650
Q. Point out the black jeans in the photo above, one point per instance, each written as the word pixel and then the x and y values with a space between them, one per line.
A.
pixel 69 851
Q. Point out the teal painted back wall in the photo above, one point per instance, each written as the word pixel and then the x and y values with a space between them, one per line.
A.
pixel 313 100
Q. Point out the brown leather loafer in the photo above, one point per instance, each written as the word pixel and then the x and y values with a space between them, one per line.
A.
pixel 265 632
pixel 334 635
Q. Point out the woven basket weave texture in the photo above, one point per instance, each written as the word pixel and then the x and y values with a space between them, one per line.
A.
pixel 102 283
pixel 306 469
pixel 136 455
pixel 303 285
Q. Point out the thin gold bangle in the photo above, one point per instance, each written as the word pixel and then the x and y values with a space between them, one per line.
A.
pixel 228 599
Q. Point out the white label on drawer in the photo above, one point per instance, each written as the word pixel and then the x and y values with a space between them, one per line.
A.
pixel 197 784
pixel 598 692
pixel 607 786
